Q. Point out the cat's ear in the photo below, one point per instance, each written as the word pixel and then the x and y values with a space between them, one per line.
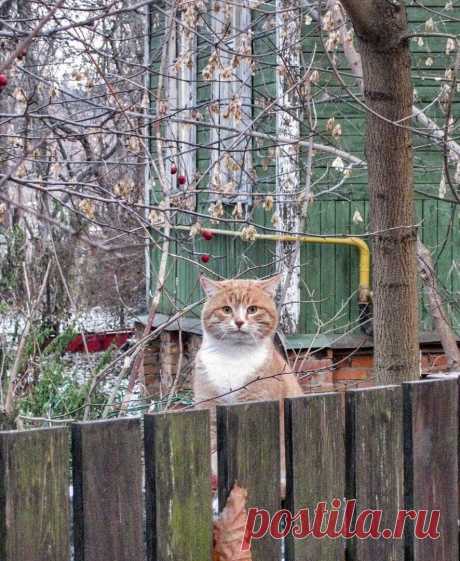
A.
pixel 209 286
pixel 271 284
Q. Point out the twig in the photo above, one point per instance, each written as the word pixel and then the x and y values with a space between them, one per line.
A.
pixel 9 400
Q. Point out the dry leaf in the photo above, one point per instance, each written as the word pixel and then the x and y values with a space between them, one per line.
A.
pixel 248 233
pixel 88 208
pixel 228 532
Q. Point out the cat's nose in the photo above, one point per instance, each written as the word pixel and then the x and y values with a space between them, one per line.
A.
pixel 239 323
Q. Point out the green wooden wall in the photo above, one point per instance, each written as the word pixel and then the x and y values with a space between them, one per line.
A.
pixel 329 274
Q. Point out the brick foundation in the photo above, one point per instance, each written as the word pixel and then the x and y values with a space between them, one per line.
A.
pixel 164 357
pixel 318 371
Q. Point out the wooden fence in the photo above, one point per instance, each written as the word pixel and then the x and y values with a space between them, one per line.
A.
pixel 142 490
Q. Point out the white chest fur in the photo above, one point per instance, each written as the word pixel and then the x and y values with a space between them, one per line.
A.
pixel 230 367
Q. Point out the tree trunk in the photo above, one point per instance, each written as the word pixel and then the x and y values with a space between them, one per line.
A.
pixel 435 305
pixel 381 27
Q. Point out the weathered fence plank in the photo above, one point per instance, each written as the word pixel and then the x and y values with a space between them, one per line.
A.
pixel 178 486
pixel 431 464
pixel 389 448
pixel 34 495
pixel 248 446
pixel 108 506
pixel 315 455
pixel 374 450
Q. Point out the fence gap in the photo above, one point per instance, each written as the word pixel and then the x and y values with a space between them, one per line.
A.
pixel 34 495
pixel 178 486
pixel 108 505
pixel 248 447
pixel 431 464
pixel 374 475
pixel 315 434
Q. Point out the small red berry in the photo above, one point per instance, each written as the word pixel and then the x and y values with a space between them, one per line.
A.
pixel 181 179
pixel 173 169
pixel 3 81
pixel 207 235
pixel 205 258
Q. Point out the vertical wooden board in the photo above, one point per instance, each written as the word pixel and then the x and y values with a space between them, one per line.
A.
pixel 446 219
pixel 430 225
pixel 311 282
pixel 168 295
pixel 231 256
pixel 235 256
pixel 446 267
pixel 34 495
pixel 266 264
pixel 268 250
pixel 374 451
pixel 328 306
pixel 219 251
pixel 261 253
pixel 249 256
pixel 224 266
pixel 431 464
pixel 305 308
pixel 172 277
pixel 248 447
pixel 344 286
pixel 264 78
pixel 178 486
pixel 187 271
pixel 315 456
pixel 108 505
pixel 430 239
pixel 185 284
pixel 227 261
pixel 358 211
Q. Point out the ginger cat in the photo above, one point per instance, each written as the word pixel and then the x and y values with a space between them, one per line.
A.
pixel 237 360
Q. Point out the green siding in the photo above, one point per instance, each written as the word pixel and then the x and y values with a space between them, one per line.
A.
pixel 329 274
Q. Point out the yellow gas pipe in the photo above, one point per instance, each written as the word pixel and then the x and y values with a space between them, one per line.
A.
pixel 364 291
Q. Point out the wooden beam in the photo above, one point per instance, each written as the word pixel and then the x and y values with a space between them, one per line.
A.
pixel 34 495
pixel 178 486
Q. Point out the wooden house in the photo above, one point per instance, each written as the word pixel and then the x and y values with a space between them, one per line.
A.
pixel 247 133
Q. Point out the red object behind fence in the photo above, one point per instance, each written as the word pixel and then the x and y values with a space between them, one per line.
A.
pixel 98 342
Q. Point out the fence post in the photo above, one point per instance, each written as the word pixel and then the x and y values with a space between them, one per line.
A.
pixel 178 486
pixel 34 495
pixel 248 446
pixel 374 451
pixel 107 475
pixel 431 464
pixel 315 455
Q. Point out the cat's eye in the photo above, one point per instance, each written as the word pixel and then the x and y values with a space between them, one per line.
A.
pixel 227 310
pixel 252 309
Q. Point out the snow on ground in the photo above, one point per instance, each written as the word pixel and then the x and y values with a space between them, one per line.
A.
pixel 80 368
pixel 93 320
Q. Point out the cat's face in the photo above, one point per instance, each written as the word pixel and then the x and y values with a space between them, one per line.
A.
pixel 240 311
